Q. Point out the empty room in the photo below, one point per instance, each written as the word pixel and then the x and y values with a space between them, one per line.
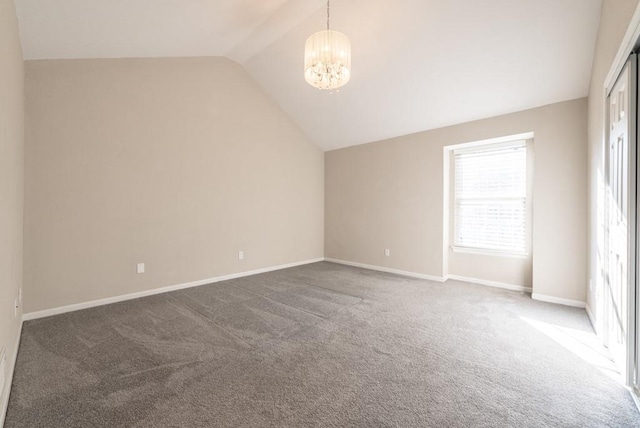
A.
pixel 313 213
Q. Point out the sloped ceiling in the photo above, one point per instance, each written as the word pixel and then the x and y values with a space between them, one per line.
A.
pixel 417 64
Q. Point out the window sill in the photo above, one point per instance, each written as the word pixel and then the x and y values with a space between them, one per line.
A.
pixel 486 252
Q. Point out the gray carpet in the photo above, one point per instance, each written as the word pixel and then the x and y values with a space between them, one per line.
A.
pixel 320 345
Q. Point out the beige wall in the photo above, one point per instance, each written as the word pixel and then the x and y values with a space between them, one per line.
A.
pixel 614 21
pixel 177 163
pixel 389 194
pixel 11 186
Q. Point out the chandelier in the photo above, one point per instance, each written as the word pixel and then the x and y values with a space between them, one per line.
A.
pixel 327 58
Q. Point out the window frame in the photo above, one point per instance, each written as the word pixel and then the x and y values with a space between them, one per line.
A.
pixel 485 146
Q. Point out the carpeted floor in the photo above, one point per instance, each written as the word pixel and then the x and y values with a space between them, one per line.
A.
pixel 320 345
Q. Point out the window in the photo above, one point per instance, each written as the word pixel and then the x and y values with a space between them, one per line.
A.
pixel 490 194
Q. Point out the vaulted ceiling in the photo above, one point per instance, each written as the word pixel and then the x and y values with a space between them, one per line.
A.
pixel 417 64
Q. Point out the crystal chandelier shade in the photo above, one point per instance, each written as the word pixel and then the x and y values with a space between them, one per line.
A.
pixel 327 58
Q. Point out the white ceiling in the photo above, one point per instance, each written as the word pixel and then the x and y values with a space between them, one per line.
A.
pixel 417 64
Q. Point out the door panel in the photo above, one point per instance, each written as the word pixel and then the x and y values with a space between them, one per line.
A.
pixel 617 275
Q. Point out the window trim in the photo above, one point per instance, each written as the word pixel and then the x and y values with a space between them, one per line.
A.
pixel 515 141
pixel 489 147
pixel 490 141
pixel 489 252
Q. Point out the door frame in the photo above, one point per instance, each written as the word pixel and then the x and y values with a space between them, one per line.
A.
pixel 633 271
pixel 630 364
pixel 629 45
pixel 630 42
pixel 633 349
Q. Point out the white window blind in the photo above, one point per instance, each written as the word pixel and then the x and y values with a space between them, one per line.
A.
pixel 491 198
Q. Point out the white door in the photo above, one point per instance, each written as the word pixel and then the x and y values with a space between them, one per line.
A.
pixel 620 225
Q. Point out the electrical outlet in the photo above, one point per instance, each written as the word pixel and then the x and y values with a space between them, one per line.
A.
pixel 15 307
pixel 387 252
pixel 140 268
pixel 240 255
pixel 20 295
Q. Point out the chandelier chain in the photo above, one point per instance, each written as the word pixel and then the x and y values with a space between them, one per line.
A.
pixel 327 15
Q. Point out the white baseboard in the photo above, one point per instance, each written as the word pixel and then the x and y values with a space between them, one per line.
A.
pixel 558 300
pixel 496 284
pixel 592 319
pixel 432 277
pixel 635 394
pixel 12 365
pixel 388 270
pixel 130 296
